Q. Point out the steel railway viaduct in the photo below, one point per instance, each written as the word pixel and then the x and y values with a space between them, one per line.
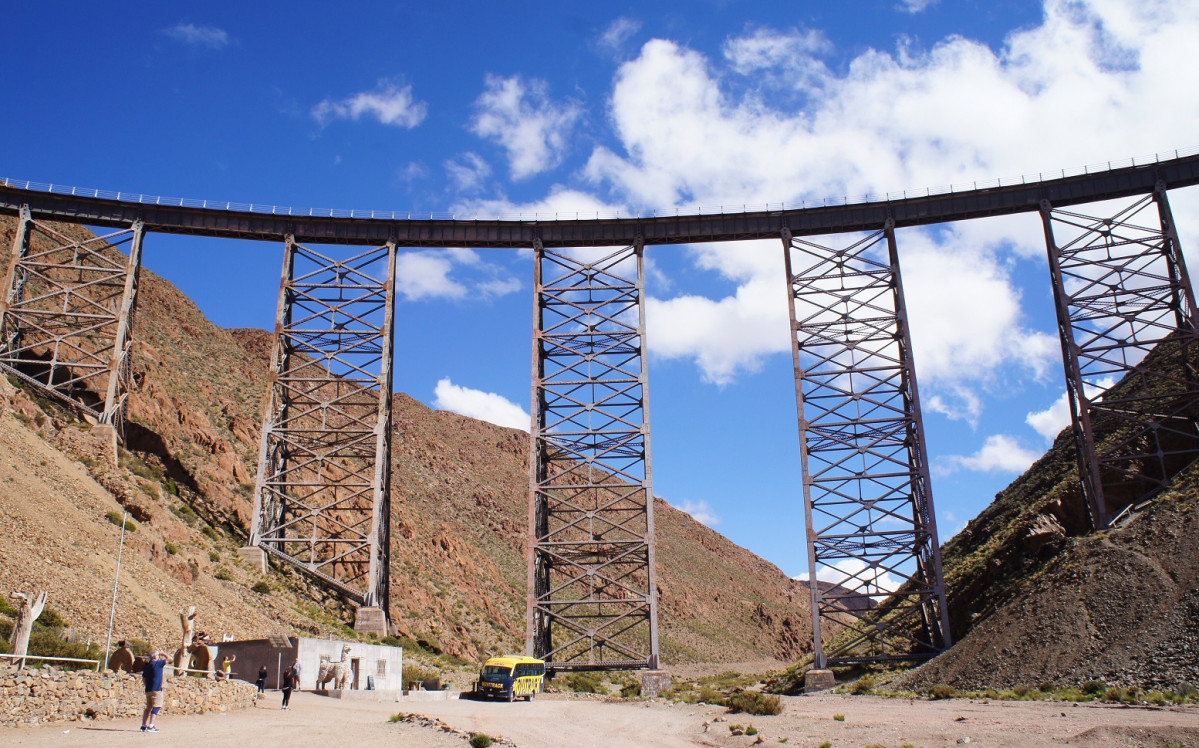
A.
pixel 322 498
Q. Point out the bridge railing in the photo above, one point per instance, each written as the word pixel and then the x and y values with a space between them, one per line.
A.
pixel 394 215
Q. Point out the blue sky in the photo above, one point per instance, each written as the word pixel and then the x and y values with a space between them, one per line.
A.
pixel 495 109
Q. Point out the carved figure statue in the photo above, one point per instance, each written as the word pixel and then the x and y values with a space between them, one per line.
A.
pixel 122 658
pixel 182 659
pixel 27 613
pixel 338 672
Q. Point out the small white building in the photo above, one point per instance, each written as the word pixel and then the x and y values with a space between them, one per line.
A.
pixel 374 666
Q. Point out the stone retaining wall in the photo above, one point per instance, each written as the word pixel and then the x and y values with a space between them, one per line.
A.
pixel 34 697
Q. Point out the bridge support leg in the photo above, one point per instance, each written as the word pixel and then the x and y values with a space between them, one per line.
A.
pixel 1127 322
pixel 322 497
pixel 592 597
pixel 66 316
pixel 867 494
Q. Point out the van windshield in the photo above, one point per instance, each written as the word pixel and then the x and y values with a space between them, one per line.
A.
pixel 496 670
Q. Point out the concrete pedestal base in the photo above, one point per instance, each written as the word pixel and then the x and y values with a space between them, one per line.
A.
pixel 106 433
pixel 818 680
pixel 371 621
pixel 255 555
pixel 654 683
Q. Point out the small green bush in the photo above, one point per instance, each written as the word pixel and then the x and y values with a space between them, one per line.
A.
pixel 261 588
pixel 941 691
pixel 6 608
pixel 1093 687
pixel 115 517
pixel 863 685
pixel 826 744
pixel 754 702
pixel 51 618
pixel 1021 690
pixel 479 740
pixel 213 556
pixel 839 717
pixel 630 690
pixel 751 730
pixel 223 574
pixel 171 487
pixel 185 513
pixel 172 549
pixel 210 533
pixel 585 683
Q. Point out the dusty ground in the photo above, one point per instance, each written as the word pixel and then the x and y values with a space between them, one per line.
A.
pixel 553 721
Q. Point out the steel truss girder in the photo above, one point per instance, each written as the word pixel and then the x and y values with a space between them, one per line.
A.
pixel 322 498
pixel 867 494
pixel 66 318
pixel 1123 299
pixel 592 594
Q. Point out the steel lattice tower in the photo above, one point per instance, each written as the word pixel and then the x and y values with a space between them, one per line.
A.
pixel 322 500
pixel 1126 319
pixel 592 599
pixel 867 498
pixel 67 315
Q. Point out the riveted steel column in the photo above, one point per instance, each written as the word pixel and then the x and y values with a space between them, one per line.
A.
pixel 592 600
pixel 118 372
pixel 1127 322
pixel 66 313
pixel 871 527
pixel 322 495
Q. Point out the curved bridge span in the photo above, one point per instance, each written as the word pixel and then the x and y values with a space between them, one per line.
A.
pixel 271 224
pixel 1125 309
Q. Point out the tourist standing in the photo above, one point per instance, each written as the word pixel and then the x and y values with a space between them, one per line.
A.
pixel 152 677
pixel 291 679
pixel 261 680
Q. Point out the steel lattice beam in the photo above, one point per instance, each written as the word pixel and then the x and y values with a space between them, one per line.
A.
pixel 1123 299
pixel 592 598
pixel 867 497
pixel 322 500
pixel 67 314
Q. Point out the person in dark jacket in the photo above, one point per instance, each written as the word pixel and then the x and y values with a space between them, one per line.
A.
pixel 291 680
pixel 261 680
pixel 152 677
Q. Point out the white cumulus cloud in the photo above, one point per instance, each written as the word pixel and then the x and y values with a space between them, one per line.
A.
pixel 198 36
pixel 1000 453
pixel 700 511
pixel 485 406
pixel 518 114
pixel 389 104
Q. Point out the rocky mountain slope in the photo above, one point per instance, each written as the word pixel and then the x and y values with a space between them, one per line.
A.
pixel 458 520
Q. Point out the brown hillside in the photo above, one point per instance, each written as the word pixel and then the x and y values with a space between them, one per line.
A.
pixel 458 513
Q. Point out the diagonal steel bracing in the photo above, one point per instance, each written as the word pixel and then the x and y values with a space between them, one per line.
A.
pixel 322 500
pixel 867 498
pixel 1124 301
pixel 592 598
pixel 67 313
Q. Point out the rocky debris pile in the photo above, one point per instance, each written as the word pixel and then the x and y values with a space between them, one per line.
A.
pixel 48 694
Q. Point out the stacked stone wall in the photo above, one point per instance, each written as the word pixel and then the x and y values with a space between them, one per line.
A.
pixel 44 695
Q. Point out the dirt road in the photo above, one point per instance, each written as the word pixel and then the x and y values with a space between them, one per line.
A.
pixel 553 722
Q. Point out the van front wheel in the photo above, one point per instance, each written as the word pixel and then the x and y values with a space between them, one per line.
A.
pixel 511 696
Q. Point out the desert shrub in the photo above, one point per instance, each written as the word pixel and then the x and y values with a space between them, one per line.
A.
pixel 172 549
pixel 115 517
pixel 171 487
pixel 585 683
pixel 397 717
pixel 839 717
pixel 751 730
pixel 754 702
pixel 826 744
pixel 261 588
pixel 863 685
pixel 709 695
pixel 1093 687
pixel 185 513
pixel 941 691
pixel 1112 694
pixel 140 647
pixel 415 674
pixel 213 556
pixel 479 740
pixel 51 618
pixel 6 608
pixel 1021 690
pixel 1046 686
pixel 47 643
pixel 630 689
pixel 210 533
pixel 223 574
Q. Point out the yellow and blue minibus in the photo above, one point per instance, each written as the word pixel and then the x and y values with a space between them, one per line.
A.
pixel 511 677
